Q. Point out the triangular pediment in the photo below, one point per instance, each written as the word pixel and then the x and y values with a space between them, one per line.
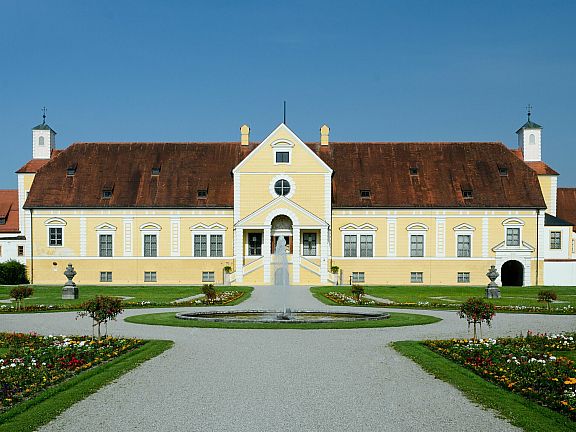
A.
pixel 281 206
pixel 302 158
pixel 524 247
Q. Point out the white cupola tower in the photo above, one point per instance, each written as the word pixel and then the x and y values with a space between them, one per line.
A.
pixel 43 140
pixel 530 140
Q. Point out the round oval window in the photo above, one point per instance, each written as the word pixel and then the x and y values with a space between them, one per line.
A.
pixel 282 187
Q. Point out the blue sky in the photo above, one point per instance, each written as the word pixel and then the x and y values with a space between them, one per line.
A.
pixel 372 70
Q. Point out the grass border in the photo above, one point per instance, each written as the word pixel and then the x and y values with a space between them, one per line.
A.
pixel 396 320
pixel 41 409
pixel 518 410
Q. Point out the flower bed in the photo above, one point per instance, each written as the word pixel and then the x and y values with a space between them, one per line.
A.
pixel 31 363
pixel 222 298
pixel 341 298
pixel 532 366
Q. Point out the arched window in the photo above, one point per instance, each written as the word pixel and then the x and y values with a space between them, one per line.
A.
pixel 532 139
pixel 41 141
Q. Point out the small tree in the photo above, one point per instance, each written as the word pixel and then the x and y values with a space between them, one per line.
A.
pixel 476 311
pixel 334 269
pixel 547 296
pixel 101 309
pixel 357 292
pixel 20 293
pixel 13 273
pixel 210 292
pixel 227 269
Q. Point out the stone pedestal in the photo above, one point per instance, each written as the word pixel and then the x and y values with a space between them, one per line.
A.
pixel 492 290
pixel 69 290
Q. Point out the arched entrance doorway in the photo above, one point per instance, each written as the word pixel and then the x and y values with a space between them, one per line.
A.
pixel 281 226
pixel 512 273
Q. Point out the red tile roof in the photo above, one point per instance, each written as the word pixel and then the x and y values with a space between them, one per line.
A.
pixel 539 167
pixel 33 165
pixel 444 170
pixel 9 211
pixel 566 205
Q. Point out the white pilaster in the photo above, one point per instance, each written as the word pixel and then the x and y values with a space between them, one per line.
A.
pixel 296 255
pixel 553 195
pixel 21 201
pixel 392 237
pixel 128 236
pixel 484 237
pixel 266 245
pixel 175 236
pixel 324 255
pixel 83 236
pixel 239 253
pixel 440 237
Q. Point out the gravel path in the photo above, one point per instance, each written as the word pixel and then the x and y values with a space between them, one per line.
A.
pixel 290 380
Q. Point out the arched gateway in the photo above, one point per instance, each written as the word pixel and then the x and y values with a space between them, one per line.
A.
pixel 512 273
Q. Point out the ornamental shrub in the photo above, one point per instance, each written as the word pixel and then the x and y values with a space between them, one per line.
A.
pixel 227 269
pixel 101 309
pixel 547 296
pixel 476 311
pixel 20 293
pixel 334 269
pixel 210 292
pixel 13 273
pixel 357 292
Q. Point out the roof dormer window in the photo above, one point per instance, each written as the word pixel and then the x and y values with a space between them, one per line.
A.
pixel 156 171
pixel 202 193
pixel 106 193
pixel 503 171
pixel 467 194
pixel 3 221
pixel 365 193
pixel 413 171
pixel 71 170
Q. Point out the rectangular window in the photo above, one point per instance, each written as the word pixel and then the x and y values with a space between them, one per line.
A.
pixel 464 246
pixel 416 277
pixel 150 276
pixel 55 236
pixel 202 193
pixel 200 245
pixel 105 245
pixel 358 277
pixel 366 246
pixel 463 277
pixel 556 240
pixel 365 193
pixel 282 157
pixel 208 276
pixel 20 251
pixel 416 245
pixel 255 244
pixel 216 245
pixel 350 248
pixel 106 276
pixel 512 236
pixel 309 244
pixel 467 193
pixel 150 245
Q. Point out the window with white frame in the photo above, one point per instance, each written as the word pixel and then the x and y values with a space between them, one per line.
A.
pixel 208 276
pixel 208 245
pixel 282 157
pixel 105 276
pixel 150 245
pixel 350 249
pixel 366 245
pixel 309 244
pixel 556 240
pixel 150 276
pixel 416 245
pixel 254 244
pixel 512 236
pixel 464 243
pixel 358 277
pixel 416 277
pixel 55 237
pixel 463 277
pixel 105 245
pixel 358 245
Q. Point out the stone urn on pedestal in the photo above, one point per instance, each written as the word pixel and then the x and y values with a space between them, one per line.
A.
pixel 492 290
pixel 70 290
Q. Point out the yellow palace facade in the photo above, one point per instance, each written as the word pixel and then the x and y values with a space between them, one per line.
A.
pixel 372 213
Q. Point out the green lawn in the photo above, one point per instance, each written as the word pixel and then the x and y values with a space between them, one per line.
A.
pixel 39 410
pixel 511 296
pixel 156 294
pixel 395 320
pixel 521 412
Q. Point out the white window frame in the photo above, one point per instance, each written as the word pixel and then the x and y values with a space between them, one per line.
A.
pixel 513 223
pixel 55 223
pixel 413 275
pixel 207 273
pixel 215 229
pixel 357 233
pixel 283 150
pixel 150 229
pixel 106 273
pixel 464 275
pixel 290 181
pixel 415 229
pixel 464 229
pixel 247 251
pixel 559 240
pixel 316 246
pixel 152 276
pixel 358 277
pixel 282 146
pixel 458 234
pixel 106 229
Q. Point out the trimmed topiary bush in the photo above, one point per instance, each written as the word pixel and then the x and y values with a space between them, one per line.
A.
pixel 476 311
pixel 101 309
pixel 13 273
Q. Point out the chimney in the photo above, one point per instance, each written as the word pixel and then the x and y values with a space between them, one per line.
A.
pixel 245 135
pixel 324 135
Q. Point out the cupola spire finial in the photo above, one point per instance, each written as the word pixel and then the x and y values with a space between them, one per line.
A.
pixel 44 115
pixel 529 110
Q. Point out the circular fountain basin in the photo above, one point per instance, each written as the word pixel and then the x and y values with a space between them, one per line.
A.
pixel 276 317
